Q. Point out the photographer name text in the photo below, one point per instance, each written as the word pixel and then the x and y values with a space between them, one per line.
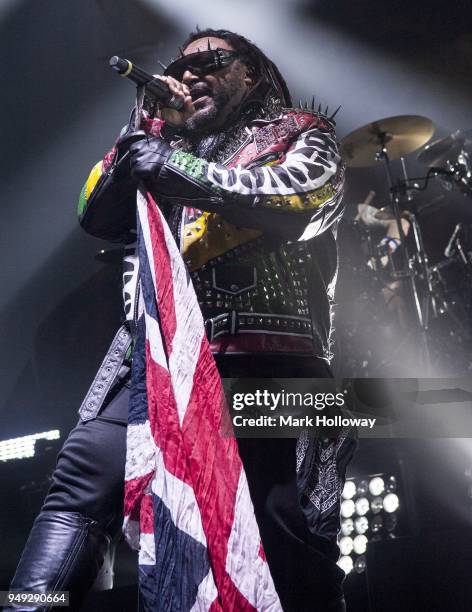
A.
pixel 267 400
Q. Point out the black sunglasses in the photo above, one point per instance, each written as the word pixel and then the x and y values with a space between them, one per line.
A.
pixel 200 63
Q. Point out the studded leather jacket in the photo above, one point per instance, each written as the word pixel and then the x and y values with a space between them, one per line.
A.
pixel 254 210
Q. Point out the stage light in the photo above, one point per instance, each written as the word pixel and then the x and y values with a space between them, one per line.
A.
pixel 361 524
pixel 391 485
pixel 362 506
pixel 368 508
pixel 376 524
pixel 347 508
pixel 360 564
pixel 346 545
pixel 391 502
pixel 19 448
pixel 376 505
pixel 349 489
pixel 391 521
pixel 347 527
pixel 362 488
pixel 359 544
pixel 346 564
pixel 377 486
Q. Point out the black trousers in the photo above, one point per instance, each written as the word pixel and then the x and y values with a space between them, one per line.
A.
pixel 89 479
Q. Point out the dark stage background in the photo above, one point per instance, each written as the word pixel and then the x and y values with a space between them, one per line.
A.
pixel 62 108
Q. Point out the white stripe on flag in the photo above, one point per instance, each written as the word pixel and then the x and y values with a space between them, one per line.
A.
pixel 153 335
pixel 131 530
pixel 147 549
pixel 248 571
pixel 186 344
pixel 180 499
pixel 206 594
pixel 140 451
pixel 143 218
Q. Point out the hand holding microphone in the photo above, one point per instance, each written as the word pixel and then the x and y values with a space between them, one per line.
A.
pixel 172 95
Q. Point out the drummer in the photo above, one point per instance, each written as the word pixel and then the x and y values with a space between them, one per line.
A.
pixel 374 220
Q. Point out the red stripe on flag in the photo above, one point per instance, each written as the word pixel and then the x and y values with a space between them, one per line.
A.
pixel 134 491
pixel 215 606
pixel 146 523
pixel 166 428
pixel 215 467
pixel 163 274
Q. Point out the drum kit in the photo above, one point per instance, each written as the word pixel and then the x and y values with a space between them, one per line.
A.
pixel 430 292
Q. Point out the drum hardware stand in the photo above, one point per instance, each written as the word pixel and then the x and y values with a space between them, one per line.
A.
pixel 406 270
pixel 450 160
pixel 460 250
pixel 458 173
pixel 423 261
pixel 420 254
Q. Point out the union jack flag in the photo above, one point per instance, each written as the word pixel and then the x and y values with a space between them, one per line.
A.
pixel 187 504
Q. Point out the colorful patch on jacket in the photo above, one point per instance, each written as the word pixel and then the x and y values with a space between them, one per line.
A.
pixel 89 186
pixel 210 236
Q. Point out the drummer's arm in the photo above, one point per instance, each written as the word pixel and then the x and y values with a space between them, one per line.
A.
pixel 392 229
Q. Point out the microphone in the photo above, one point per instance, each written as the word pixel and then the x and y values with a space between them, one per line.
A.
pixel 448 250
pixel 157 88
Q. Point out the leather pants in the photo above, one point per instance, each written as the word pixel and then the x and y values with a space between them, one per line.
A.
pixel 64 552
pixel 82 512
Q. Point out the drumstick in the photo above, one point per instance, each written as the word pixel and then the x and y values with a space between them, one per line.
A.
pixel 366 202
pixel 369 198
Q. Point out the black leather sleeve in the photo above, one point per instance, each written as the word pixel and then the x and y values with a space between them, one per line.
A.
pixel 107 203
pixel 176 187
pixel 298 198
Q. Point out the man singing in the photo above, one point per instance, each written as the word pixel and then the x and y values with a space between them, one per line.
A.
pixel 251 189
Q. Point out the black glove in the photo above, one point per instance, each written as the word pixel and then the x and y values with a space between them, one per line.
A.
pixel 147 157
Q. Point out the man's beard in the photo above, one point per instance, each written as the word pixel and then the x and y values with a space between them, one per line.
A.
pixel 205 120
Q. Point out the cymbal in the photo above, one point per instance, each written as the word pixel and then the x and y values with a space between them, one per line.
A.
pixel 439 151
pixel 400 135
